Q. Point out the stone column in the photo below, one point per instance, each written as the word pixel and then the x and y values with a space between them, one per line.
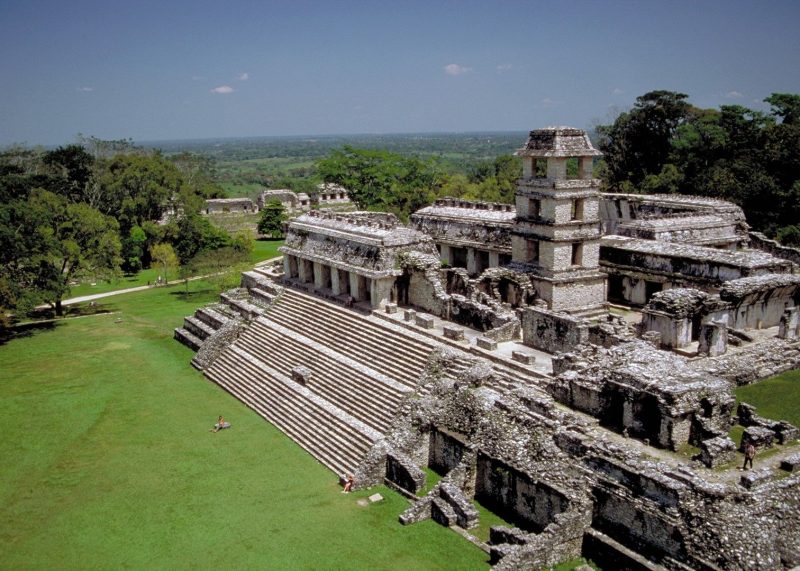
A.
pixel 472 267
pixel 381 291
pixel 287 265
pixel 789 327
pixel 713 339
pixel 318 283
pixel 355 286
pixel 494 259
pixel 335 285
pixel 305 270
pixel 446 255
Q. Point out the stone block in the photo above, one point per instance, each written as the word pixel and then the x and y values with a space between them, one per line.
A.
pixel 717 451
pixel 753 479
pixel 785 432
pixel 424 321
pixel 713 339
pixel 791 463
pixel 301 375
pixel 375 498
pixel 409 315
pixel 653 338
pixel 522 357
pixel 391 308
pixel 486 343
pixel 760 437
pixel 453 332
pixel 442 512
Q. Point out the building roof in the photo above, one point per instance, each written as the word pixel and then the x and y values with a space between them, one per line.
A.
pixel 743 259
pixel 558 142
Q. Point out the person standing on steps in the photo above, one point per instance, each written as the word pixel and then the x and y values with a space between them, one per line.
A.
pixel 749 454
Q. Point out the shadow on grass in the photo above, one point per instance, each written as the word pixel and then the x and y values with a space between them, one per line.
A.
pixel 25 330
pixel 192 295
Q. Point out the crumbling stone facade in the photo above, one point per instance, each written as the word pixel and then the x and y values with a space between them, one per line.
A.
pixel 481 350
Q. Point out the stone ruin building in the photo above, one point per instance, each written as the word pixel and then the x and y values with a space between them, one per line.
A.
pixel 327 196
pixel 568 361
pixel 229 206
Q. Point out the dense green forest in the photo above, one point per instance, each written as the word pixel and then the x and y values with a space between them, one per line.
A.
pixel 98 208
pixel 92 210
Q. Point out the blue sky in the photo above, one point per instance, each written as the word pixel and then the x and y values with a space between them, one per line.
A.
pixel 190 69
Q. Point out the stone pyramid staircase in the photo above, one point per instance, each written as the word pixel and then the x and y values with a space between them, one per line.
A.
pixel 357 372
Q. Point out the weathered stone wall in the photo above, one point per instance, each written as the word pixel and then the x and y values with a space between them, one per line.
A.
pixel 446 450
pixel 531 505
pixel 760 242
pixel 551 332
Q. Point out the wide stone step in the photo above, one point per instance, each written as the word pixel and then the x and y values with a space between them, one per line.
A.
pixel 345 382
pixel 367 329
pixel 325 354
pixel 325 383
pixel 332 454
pixel 403 372
pixel 197 327
pixel 349 338
pixel 211 317
pixel 187 338
pixel 335 443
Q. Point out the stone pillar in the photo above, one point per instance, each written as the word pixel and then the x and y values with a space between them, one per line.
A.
pixel 355 286
pixel 287 265
pixel 789 327
pixel 335 284
pixel 713 339
pixel 318 278
pixel 557 168
pixel 381 291
pixel 627 412
pixel 585 167
pixel 305 270
pixel 472 267
pixel 446 255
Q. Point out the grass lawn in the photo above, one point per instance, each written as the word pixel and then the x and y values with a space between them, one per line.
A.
pixel 262 250
pixel 265 249
pixel 777 398
pixel 108 463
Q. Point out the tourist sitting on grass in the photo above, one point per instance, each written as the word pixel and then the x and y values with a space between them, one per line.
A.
pixel 348 484
pixel 220 425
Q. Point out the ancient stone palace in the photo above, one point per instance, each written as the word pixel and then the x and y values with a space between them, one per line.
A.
pixel 568 361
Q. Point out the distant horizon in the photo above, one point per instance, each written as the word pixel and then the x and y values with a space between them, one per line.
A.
pixel 181 70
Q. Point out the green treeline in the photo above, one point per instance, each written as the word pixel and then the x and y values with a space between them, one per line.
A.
pixel 91 211
pixel 662 145
pixel 666 145
pixel 98 208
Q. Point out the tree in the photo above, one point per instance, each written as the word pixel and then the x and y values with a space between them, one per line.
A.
pixel 273 215
pixel 164 256
pixel 380 180
pixel 68 240
pixel 639 142
pixel 221 267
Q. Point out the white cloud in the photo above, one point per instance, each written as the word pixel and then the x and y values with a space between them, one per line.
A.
pixel 504 67
pixel 733 95
pixel 243 77
pixel 223 89
pixel 455 69
pixel 547 101
pixel 618 91
pixel 85 89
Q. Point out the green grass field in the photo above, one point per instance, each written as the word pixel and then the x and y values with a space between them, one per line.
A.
pixel 108 463
pixel 777 398
pixel 262 250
